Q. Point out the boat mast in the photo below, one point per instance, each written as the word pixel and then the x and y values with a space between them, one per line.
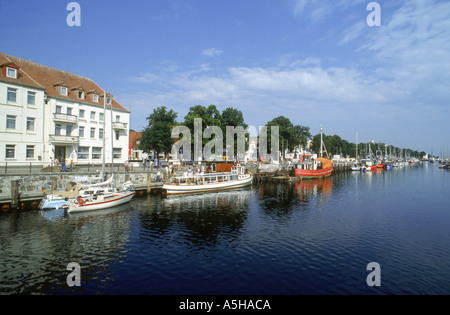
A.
pixel 321 141
pixel 104 131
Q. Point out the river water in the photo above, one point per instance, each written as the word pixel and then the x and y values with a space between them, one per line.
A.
pixel 313 237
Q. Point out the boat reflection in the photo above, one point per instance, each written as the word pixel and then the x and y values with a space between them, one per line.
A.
pixel 199 220
pixel 306 189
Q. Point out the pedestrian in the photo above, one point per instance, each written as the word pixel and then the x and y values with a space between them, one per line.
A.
pixel 126 165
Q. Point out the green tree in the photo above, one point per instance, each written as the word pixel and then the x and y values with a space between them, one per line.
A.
pixel 290 135
pixel 211 116
pixel 157 136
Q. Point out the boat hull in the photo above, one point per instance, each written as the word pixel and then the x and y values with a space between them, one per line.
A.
pixel 117 200
pixel 313 174
pixel 172 189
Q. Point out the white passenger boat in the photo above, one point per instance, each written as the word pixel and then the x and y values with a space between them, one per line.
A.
pixel 196 183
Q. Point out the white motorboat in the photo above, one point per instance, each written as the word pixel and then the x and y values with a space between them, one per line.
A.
pixel 196 183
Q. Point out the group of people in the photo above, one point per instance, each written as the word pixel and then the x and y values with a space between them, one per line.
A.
pixel 66 165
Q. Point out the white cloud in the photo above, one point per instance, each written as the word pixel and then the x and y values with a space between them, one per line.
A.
pixel 211 52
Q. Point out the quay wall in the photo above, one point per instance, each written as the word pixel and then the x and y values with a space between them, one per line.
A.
pixel 30 185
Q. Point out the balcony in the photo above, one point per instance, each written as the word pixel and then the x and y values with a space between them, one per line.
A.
pixel 66 118
pixel 119 125
pixel 63 139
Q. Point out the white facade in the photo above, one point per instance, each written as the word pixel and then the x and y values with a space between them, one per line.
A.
pixel 48 114
pixel 76 130
pixel 21 123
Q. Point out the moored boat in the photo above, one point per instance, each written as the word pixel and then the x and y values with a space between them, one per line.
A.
pixel 60 199
pixel 100 201
pixel 205 182
pixel 311 168
pixel 314 168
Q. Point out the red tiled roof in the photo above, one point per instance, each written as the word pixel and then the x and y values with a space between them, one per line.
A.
pixel 133 138
pixel 42 77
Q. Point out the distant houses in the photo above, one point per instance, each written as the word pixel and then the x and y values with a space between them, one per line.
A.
pixel 48 114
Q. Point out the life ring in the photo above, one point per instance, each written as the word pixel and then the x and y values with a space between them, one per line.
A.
pixel 80 200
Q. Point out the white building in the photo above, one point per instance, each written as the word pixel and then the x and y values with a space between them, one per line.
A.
pixel 48 114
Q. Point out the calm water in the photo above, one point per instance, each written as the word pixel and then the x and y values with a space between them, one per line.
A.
pixel 314 237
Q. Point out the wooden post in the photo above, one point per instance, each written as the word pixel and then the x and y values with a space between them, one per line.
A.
pixel 14 194
pixel 54 183
pixel 149 182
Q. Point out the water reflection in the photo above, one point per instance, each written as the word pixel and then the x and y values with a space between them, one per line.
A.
pixel 283 199
pixel 198 220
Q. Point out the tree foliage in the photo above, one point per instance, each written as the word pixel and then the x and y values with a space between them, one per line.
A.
pixel 291 136
pixel 157 135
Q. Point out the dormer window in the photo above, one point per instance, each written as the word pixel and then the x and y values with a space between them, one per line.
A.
pixel 11 73
pixel 95 98
pixel 81 95
pixel 63 90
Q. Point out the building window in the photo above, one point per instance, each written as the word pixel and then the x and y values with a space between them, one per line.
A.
pixel 63 90
pixel 68 130
pixel 31 100
pixel 57 129
pixel 81 113
pixel 81 132
pixel 80 94
pixel 83 153
pixel 96 153
pixel 108 101
pixel 30 124
pixel 58 109
pixel 10 151
pixel 92 115
pixel 100 133
pixel 117 153
pixel 10 122
pixel 12 95
pixel 69 110
pixel 117 134
pixel 92 133
pixel 11 73
pixel 117 118
pixel 30 151
pixel 95 98
pixel 101 117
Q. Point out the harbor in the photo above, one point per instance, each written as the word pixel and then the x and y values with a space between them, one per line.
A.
pixel 26 190
pixel 303 237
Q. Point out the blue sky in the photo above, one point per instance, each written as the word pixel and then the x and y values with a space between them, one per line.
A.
pixel 315 62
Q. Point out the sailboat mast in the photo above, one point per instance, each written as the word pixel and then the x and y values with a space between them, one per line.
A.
pixel 104 131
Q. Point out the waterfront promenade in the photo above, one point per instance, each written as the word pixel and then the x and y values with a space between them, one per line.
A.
pixel 24 186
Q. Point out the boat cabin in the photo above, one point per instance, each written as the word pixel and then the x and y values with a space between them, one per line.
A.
pixel 309 163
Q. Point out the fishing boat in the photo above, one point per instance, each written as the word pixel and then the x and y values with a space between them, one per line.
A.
pixel 97 200
pixel 205 182
pixel 314 168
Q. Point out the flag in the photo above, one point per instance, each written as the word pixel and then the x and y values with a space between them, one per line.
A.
pixel 43 191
